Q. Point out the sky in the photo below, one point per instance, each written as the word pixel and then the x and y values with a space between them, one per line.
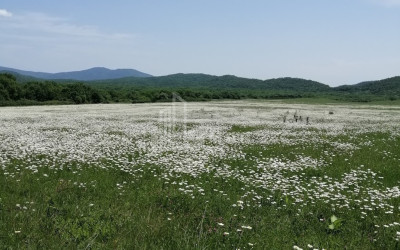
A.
pixel 334 42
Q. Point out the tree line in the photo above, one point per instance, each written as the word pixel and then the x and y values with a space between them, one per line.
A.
pixel 13 92
pixel 51 92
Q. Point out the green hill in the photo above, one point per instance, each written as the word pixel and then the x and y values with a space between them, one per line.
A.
pixel 389 88
pixel 19 89
pixel 21 78
pixel 218 82
pixel 381 87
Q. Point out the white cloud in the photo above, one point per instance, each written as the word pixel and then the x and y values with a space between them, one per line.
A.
pixel 54 44
pixel 44 25
pixel 5 13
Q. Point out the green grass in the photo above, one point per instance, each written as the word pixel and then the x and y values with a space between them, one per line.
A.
pixel 243 129
pixel 85 206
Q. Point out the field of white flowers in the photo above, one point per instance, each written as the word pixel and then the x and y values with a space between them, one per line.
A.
pixel 243 174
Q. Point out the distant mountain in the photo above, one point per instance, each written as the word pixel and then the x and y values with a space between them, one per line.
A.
pixel 97 73
pixel 219 82
pixel 130 78
pixel 18 88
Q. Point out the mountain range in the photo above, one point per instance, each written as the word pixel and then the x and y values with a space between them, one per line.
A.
pixel 128 78
pixel 97 73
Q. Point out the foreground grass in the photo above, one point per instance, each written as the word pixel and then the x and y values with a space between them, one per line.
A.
pixel 86 206
pixel 115 177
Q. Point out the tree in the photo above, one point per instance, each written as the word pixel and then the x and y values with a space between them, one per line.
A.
pixel 9 88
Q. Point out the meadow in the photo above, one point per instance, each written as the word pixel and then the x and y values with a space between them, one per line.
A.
pixel 211 175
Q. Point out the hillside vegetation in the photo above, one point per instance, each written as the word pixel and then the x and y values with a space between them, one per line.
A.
pixel 17 89
pixel 222 82
pixel 389 87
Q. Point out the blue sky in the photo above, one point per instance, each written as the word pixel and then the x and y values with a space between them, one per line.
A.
pixel 334 42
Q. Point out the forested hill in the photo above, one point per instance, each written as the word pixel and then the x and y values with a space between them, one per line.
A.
pixel 220 82
pixel 389 86
pixel 17 89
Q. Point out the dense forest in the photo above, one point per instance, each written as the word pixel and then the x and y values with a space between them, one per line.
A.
pixel 221 82
pixel 388 88
pixel 13 92
pixel 16 89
